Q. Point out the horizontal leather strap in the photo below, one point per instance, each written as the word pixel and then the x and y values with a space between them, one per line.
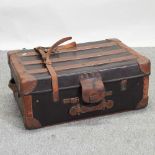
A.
pixel 78 57
pixel 88 64
pixel 70 48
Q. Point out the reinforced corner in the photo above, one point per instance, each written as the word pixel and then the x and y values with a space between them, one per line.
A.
pixel 29 121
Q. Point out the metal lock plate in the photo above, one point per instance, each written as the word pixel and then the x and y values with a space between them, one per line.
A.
pixel 93 90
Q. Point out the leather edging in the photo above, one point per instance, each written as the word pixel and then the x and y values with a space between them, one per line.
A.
pixel 143 62
pixel 9 53
pixel 27 82
pixel 144 101
pixel 29 120
pixel 31 123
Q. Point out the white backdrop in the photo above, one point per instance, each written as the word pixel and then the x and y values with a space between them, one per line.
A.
pixel 30 23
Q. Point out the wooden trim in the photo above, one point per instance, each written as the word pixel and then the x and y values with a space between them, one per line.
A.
pixel 29 120
pixel 143 62
pixel 78 57
pixel 78 48
pixel 88 64
pixel 144 101
pixel 27 82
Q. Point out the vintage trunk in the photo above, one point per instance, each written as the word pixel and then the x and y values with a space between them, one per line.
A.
pixel 76 81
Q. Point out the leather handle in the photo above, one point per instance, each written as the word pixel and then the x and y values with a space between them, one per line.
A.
pixel 53 48
pixel 78 109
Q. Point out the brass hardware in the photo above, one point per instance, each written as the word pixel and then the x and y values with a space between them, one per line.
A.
pixel 124 85
pixel 93 90
pixel 74 100
pixel 77 109
pixel 108 93
pixel 37 101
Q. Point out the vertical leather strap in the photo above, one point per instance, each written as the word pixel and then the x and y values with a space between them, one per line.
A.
pixel 45 53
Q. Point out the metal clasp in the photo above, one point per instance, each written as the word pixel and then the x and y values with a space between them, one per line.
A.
pixel 92 87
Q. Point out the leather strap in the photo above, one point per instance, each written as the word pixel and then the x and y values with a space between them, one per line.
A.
pixel 45 53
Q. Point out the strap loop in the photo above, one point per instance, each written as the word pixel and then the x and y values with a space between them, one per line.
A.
pixel 53 48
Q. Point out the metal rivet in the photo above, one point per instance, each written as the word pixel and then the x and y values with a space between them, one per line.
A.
pixel 24 54
pixel 123 85
pixel 37 101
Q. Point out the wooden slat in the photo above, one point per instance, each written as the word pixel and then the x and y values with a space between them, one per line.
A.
pixel 78 57
pixel 78 48
pixel 88 64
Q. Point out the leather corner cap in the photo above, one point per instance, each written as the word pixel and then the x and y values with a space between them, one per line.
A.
pixel 29 120
pixel 31 123
pixel 27 84
pixel 144 101
pixel 144 64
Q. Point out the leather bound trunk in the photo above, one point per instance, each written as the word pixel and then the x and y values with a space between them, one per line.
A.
pixel 91 79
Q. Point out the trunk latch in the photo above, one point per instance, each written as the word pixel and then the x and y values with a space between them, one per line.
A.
pixel 93 90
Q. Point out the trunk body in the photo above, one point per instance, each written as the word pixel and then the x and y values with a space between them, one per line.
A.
pixel 95 78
